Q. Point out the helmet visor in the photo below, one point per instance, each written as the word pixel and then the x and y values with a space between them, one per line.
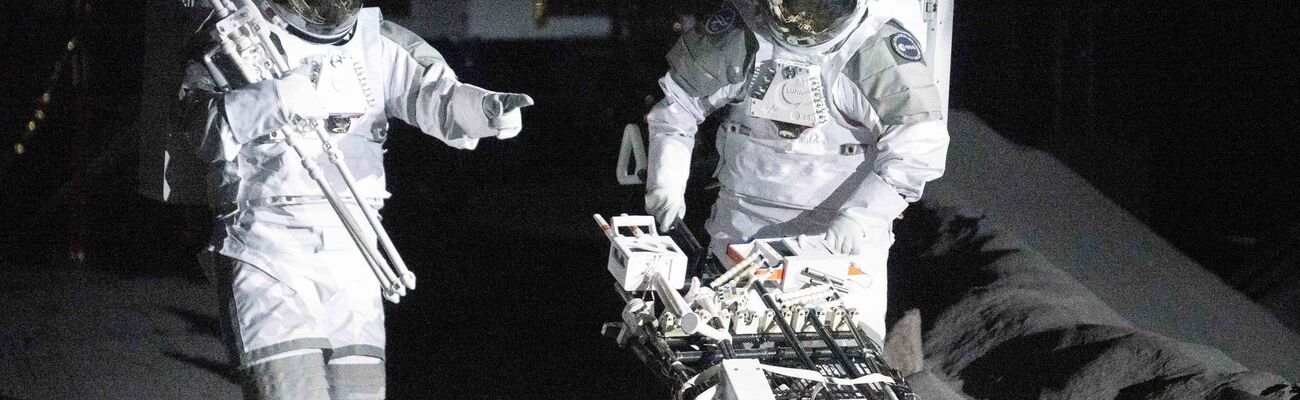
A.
pixel 320 19
pixel 807 23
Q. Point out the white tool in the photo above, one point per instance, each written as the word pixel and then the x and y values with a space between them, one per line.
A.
pixel 804 261
pixel 636 256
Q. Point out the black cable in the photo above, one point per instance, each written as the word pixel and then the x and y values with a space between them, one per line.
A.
pixel 849 367
pixel 787 331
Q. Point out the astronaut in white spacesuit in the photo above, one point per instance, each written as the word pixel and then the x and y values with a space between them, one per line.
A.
pixel 305 311
pixel 834 126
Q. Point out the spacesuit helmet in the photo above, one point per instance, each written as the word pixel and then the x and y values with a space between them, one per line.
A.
pixel 320 21
pixel 808 23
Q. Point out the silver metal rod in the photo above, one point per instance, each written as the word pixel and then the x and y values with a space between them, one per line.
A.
pixel 218 77
pixel 673 301
pixel 268 46
pixel 336 157
pixel 392 290
pixel 228 46
pixel 222 8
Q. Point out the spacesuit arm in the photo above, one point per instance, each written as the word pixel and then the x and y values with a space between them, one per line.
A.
pixel 893 91
pixel 673 123
pixel 213 137
pixel 423 91
pixel 908 156
pixel 196 110
pixel 707 68
pixel 220 123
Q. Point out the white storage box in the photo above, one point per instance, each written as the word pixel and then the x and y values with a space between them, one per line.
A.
pixel 637 249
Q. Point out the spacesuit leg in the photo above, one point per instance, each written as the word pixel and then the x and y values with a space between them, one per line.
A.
pixel 275 334
pixel 295 375
pixel 356 378
pixel 354 321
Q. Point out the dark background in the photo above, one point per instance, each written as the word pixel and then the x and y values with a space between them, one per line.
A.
pixel 1184 114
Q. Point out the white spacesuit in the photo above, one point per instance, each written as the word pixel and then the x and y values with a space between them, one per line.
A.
pixel 306 315
pixel 834 126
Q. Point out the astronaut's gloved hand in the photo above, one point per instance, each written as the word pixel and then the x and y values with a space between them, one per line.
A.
pixel 259 109
pixel 666 205
pixel 480 113
pixel 502 110
pixel 846 236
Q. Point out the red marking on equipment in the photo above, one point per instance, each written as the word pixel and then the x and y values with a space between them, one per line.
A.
pixel 734 255
pixel 771 274
pixel 777 275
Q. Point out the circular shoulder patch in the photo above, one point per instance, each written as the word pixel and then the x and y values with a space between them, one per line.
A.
pixel 905 46
pixel 720 21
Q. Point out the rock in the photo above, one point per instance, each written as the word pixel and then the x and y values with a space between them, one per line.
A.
pixel 903 344
pixel 1000 321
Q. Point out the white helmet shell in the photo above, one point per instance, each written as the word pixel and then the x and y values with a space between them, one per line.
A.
pixel 805 24
pixel 317 21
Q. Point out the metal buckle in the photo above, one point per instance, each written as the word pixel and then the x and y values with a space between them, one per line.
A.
pixel 851 149
pixel 379 132
pixel 337 124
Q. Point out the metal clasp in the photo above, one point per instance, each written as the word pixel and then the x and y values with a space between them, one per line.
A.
pixel 851 149
pixel 338 124
pixel 379 132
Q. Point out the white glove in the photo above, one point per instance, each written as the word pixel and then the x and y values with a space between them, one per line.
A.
pixel 502 110
pixel 478 113
pixel 260 108
pixel 846 236
pixel 666 205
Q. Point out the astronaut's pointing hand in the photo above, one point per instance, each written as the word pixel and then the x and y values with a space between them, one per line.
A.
pixel 480 113
pixel 502 111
